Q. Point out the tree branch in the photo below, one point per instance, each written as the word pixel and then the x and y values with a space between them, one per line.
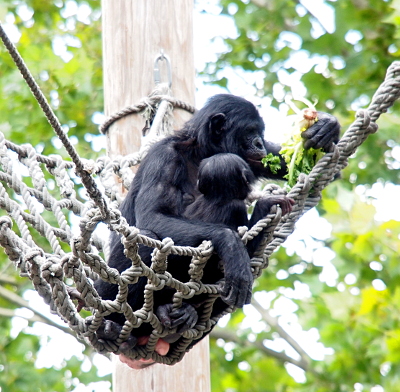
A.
pixel 273 322
pixel 5 279
pixel 218 333
pixel 17 300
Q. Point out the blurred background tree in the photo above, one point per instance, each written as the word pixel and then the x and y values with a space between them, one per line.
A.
pixel 325 314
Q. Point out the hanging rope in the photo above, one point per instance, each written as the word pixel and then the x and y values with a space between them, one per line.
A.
pixel 79 255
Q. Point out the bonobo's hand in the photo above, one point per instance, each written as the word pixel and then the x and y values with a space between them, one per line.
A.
pixel 237 288
pixel 75 294
pixel 286 203
pixel 323 133
pixel 185 316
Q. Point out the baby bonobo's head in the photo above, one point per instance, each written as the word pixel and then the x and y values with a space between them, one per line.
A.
pixel 225 176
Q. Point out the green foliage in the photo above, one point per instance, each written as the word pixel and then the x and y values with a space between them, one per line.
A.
pixel 19 374
pixel 273 162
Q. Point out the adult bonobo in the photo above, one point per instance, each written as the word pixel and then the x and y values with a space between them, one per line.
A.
pixel 166 185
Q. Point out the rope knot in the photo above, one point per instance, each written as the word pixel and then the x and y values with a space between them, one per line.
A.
pixel 52 268
pixel 33 253
pixel 89 166
pixel 6 222
pixel 159 257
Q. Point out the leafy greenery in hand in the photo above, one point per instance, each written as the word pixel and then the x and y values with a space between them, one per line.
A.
pixel 298 159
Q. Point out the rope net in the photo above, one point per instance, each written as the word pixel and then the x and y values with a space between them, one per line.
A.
pixel 74 256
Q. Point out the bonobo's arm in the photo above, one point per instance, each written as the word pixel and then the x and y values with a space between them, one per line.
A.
pixel 159 207
pixel 323 134
pixel 227 244
pixel 261 209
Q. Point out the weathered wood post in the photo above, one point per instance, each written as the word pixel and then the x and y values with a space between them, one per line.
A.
pixel 134 33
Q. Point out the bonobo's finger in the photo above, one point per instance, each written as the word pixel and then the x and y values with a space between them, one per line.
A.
pixel 238 281
pixel 178 321
pixel 241 299
pixel 178 312
pixel 286 205
pixel 284 202
pixel 227 295
pixel 129 344
pixel 187 322
pixel 249 295
pixel 320 140
pixel 163 314
pixel 185 315
pixel 237 296
pixel 192 319
pixel 75 294
pixel 325 142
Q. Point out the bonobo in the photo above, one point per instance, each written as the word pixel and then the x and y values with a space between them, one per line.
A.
pixel 224 181
pixel 165 187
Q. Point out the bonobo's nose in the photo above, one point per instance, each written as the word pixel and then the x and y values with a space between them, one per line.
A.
pixel 259 145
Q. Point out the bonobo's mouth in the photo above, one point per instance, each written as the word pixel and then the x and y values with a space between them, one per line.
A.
pixel 256 162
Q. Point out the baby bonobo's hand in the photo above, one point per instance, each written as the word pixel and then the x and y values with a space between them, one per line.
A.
pixel 286 203
pixel 74 294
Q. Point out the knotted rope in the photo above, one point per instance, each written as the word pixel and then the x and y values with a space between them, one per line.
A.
pixel 79 255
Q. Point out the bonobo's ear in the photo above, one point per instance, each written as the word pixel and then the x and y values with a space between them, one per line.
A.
pixel 245 174
pixel 217 122
pixel 248 177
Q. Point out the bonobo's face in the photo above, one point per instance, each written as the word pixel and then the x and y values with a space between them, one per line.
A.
pixel 252 144
pixel 233 126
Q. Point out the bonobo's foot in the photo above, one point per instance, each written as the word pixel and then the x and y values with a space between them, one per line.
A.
pixel 74 294
pixel 186 316
pixel 110 330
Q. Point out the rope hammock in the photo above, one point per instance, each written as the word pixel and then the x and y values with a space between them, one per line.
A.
pixel 76 257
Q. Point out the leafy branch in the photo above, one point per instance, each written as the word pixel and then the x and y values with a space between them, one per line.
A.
pixel 19 301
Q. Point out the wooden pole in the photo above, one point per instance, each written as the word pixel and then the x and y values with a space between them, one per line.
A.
pixel 134 34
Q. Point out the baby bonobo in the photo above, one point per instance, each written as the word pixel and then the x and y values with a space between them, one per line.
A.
pixel 224 181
